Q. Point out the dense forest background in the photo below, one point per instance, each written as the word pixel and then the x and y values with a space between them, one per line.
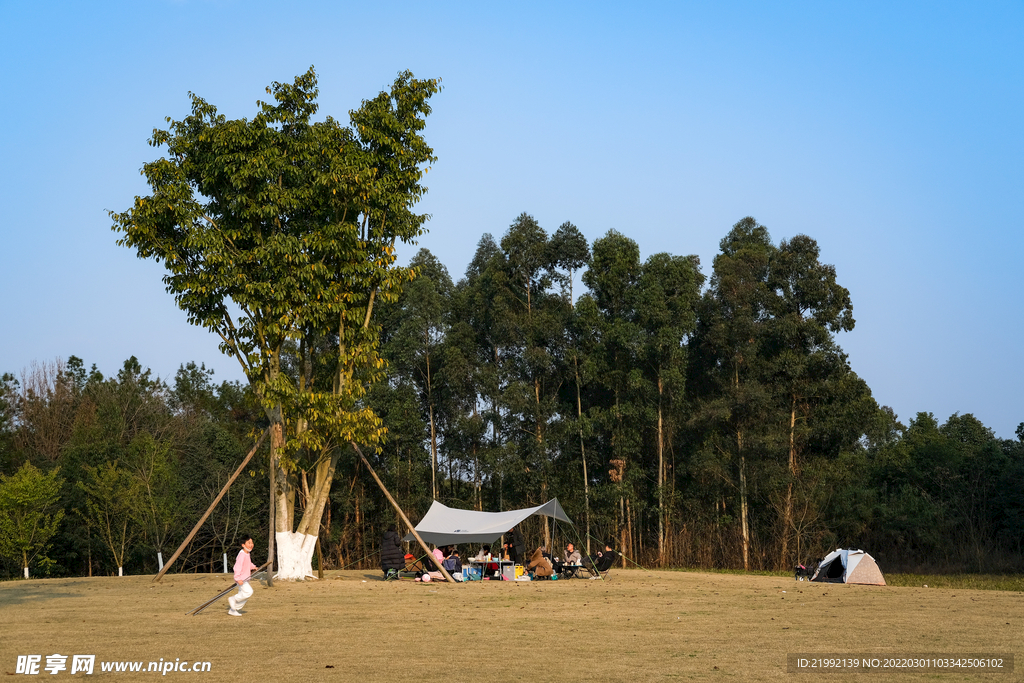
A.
pixel 695 420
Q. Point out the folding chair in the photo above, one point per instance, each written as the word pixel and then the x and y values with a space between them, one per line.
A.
pixel 603 567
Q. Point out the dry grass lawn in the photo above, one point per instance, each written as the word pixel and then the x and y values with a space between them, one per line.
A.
pixel 638 626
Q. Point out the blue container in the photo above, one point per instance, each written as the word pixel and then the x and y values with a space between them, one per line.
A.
pixel 471 573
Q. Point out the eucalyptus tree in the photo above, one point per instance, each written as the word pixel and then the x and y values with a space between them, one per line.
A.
pixel 733 400
pixel 666 312
pixel 537 319
pixel 613 280
pixel 280 230
pixel 571 253
pixel 806 307
pixel 464 426
pixel 420 329
pixel 484 300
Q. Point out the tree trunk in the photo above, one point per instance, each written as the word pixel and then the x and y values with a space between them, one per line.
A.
pixel 295 548
pixel 433 456
pixel 629 534
pixel 622 528
pixel 433 435
pixel 583 453
pixel 744 524
pixel 661 480
pixel 787 517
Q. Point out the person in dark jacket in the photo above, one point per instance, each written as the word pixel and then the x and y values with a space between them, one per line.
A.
pixel 515 548
pixel 392 556
pixel 602 562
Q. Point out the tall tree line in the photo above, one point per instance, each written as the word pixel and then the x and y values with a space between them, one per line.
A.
pixel 693 420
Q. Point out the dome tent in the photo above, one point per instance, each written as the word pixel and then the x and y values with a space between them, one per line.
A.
pixel 849 566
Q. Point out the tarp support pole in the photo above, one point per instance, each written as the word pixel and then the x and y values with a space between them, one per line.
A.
pixel 209 510
pixel 444 572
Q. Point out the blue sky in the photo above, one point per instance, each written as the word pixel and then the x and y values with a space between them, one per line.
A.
pixel 889 132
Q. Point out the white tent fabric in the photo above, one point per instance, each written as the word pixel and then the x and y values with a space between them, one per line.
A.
pixel 849 566
pixel 443 525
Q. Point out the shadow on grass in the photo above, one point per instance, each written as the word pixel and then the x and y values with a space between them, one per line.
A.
pixel 21 593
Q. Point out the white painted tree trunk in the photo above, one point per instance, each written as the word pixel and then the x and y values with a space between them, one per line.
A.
pixel 120 571
pixel 294 555
pixel 26 572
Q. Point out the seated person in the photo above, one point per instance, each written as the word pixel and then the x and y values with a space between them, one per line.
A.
pixel 540 566
pixel 602 563
pixel 435 573
pixel 572 557
pixel 452 561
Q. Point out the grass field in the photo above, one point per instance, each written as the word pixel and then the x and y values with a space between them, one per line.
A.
pixel 638 626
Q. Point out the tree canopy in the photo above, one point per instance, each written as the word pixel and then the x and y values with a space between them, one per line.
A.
pixel 278 234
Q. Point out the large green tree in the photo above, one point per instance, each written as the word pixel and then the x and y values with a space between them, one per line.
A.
pixel 420 325
pixel 666 312
pixel 733 401
pixel 609 311
pixel 806 306
pixel 278 232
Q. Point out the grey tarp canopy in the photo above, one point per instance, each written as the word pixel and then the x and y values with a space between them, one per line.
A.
pixel 443 525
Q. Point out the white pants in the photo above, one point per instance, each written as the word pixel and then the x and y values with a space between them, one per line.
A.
pixel 243 594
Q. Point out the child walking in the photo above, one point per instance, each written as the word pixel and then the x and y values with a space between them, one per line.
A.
pixel 243 570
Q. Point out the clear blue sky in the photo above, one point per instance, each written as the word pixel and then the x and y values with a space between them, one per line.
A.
pixel 889 132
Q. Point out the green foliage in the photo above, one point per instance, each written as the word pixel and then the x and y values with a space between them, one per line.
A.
pixel 293 223
pixel 29 514
pixel 8 412
pixel 688 426
pixel 113 505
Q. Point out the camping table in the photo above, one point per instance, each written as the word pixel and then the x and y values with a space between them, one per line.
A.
pixel 501 564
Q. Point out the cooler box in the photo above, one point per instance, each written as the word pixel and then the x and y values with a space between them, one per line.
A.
pixel 508 572
pixel 471 573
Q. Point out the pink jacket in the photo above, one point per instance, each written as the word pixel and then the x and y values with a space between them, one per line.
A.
pixel 243 566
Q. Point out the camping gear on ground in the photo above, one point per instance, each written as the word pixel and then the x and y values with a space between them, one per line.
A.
pixel 472 573
pixel 802 573
pixel 849 566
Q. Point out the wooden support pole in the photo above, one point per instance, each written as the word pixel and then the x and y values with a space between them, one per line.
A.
pixel 319 558
pixel 216 500
pixel 444 572
pixel 255 574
